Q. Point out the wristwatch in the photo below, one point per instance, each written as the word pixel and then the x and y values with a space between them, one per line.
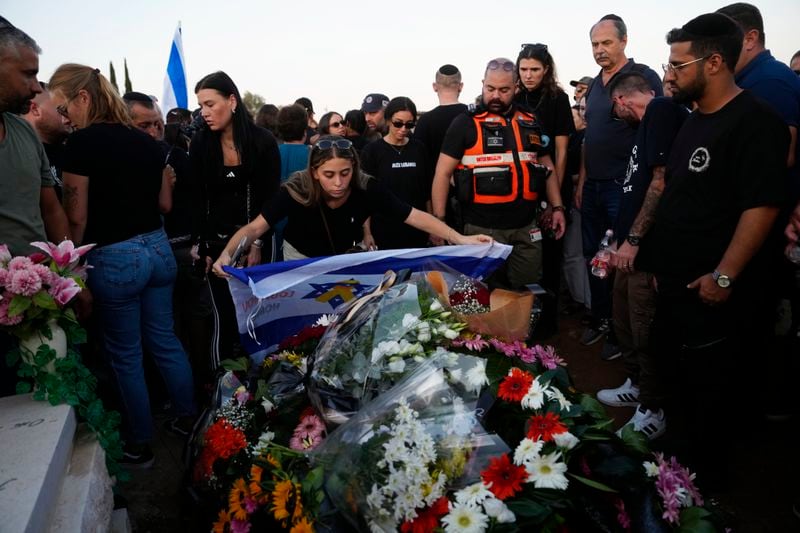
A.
pixel 721 279
pixel 633 240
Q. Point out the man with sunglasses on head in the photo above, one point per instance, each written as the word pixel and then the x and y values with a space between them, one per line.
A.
pixel 725 180
pixel 499 165
pixel 606 149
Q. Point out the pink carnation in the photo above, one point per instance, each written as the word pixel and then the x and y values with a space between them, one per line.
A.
pixel 45 273
pixel 19 263
pixel 63 290
pixel 3 277
pixel 24 282
pixel 6 320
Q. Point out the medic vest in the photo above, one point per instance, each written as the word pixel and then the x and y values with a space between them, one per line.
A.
pixel 489 173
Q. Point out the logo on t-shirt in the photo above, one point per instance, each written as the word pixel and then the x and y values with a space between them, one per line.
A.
pixel 633 166
pixel 230 174
pixel 700 160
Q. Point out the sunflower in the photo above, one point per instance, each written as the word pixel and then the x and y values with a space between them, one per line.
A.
pixel 236 499
pixel 280 499
pixel 303 526
pixel 298 504
pixel 255 481
pixel 222 523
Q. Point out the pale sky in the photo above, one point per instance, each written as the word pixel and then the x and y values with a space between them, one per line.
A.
pixel 335 52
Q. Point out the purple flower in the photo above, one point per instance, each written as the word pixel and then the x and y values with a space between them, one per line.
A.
pixel 65 254
pixel 240 526
pixel 503 347
pixel 675 485
pixel 622 515
pixel 548 357
pixel 476 344
pixel 24 282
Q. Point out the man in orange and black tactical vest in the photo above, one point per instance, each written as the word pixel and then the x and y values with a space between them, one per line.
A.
pixel 498 160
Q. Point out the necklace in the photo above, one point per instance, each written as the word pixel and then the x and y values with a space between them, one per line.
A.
pixel 398 147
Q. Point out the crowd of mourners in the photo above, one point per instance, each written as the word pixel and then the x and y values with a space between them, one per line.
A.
pixel 692 177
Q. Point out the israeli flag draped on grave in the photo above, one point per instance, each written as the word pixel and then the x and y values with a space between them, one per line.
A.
pixel 276 300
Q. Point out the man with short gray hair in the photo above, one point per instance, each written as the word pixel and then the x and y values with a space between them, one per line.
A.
pixel 606 149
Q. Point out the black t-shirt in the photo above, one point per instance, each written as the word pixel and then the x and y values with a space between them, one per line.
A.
pixel 55 155
pixel 305 228
pixel 660 124
pixel 720 165
pixel 608 142
pixel 406 173
pixel 432 126
pixel 227 197
pixel 124 168
pixel 462 135
pixel 554 114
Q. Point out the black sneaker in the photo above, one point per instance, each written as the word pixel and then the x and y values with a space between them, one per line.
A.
pixel 137 456
pixel 610 351
pixel 592 334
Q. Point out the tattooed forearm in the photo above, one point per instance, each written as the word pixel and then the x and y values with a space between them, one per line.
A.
pixel 647 213
pixel 70 197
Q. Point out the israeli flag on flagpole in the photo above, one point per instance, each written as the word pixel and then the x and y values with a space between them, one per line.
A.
pixel 276 300
pixel 175 92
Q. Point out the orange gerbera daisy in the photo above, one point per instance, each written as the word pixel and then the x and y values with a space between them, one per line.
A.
pixel 280 499
pixel 223 522
pixel 514 386
pixel 303 526
pixel 503 477
pixel 545 426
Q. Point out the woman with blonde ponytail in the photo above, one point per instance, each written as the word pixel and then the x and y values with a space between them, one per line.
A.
pixel 113 181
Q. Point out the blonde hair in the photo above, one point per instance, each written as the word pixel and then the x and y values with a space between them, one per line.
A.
pixel 105 103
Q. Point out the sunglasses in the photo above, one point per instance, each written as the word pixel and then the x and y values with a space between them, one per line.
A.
pixel 335 124
pixel 327 144
pixel 508 66
pixel 399 124
pixel 538 46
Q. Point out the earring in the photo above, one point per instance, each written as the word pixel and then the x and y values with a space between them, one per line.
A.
pixel 233 111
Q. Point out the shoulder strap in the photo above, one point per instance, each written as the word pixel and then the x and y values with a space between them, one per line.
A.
pixel 327 229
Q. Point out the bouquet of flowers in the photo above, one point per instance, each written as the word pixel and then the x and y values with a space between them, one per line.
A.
pixel 35 290
pixel 374 342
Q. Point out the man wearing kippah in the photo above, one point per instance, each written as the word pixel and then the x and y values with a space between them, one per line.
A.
pixel 725 178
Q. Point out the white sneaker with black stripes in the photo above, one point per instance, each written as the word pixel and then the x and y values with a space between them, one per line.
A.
pixel 626 395
pixel 652 424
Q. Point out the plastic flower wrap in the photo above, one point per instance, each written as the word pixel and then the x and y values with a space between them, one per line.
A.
pixel 374 342
pixel 393 462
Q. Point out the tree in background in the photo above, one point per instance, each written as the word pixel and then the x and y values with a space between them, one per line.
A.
pixel 128 85
pixel 112 75
pixel 253 102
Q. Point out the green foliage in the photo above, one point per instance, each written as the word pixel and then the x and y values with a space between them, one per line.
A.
pixel 591 483
pixel 236 365
pixel 253 102
pixel 696 520
pixel 19 304
pixel 72 383
pixel 635 440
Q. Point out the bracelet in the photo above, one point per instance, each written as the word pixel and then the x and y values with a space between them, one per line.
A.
pixel 258 243
pixel 558 208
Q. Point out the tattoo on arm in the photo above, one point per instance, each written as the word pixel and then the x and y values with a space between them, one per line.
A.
pixel 647 213
pixel 70 200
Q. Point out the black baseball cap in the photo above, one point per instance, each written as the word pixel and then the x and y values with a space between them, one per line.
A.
pixel 374 102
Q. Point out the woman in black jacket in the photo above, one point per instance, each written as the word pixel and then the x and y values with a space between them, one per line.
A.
pixel 236 168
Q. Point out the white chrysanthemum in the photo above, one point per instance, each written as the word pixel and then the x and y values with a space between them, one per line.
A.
pixel 455 374
pixel 396 365
pixel 547 472
pixel 527 451
pixel 651 469
pixel 465 519
pixel 474 494
pixel 409 320
pixel 555 394
pixel 475 377
pixel 565 440
pixel 267 405
pixel 534 398
pixel 375 497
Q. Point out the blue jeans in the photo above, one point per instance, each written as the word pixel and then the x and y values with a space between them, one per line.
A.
pixel 132 283
pixel 599 209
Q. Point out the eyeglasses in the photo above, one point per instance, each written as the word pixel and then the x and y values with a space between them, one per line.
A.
pixel 669 67
pixel 335 124
pixel 62 110
pixel 541 46
pixel 508 66
pixel 399 124
pixel 327 144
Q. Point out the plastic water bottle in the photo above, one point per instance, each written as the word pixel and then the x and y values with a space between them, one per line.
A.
pixel 793 253
pixel 601 260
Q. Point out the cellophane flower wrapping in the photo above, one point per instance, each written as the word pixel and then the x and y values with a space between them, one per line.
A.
pixel 374 342
pixel 406 449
